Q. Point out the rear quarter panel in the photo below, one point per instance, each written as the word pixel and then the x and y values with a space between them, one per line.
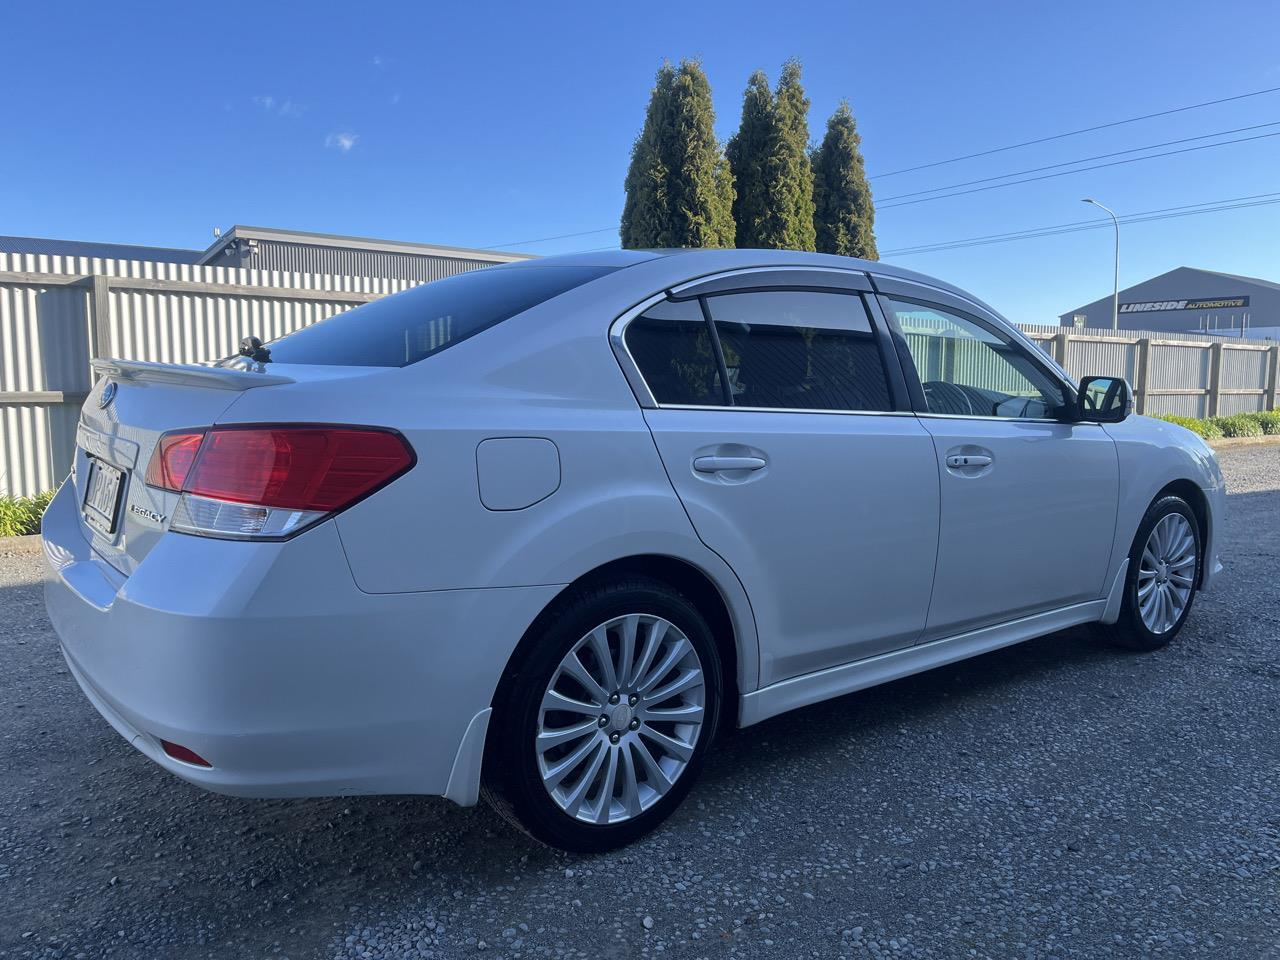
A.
pixel 548 373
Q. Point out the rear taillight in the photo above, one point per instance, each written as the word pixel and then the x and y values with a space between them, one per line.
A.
pixel 272 481
pixel 172 460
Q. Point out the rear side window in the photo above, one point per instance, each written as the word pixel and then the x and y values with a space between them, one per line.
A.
pixel 671 344
pixel 800 350
pixel 411 326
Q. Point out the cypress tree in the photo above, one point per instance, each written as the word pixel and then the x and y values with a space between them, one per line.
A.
pixel 679 188
pixel 769 157
pixel 844 213
pixel 644 213
pixel 747 153
pixel 793 173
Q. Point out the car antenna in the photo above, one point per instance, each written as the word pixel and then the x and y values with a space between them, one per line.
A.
pixel 252 348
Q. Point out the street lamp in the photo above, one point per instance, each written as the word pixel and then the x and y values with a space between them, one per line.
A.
pixel 1115 298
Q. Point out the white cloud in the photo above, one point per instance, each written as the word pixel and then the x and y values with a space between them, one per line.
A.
pixel 282 108
pixel 378 60
pixel 344 141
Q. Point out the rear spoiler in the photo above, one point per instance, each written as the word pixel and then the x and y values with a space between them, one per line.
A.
pixel 188 374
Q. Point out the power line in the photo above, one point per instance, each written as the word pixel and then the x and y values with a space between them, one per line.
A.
pixel 562 236
pixel 1074 133
pixel 1099 222
pixel 970 156
pixel 1146 216
pixel 1063 173
pixel 1070 163
pixel 1075 226
pixel 1053 232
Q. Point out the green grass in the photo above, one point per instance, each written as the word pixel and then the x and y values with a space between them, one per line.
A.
pixel 21 515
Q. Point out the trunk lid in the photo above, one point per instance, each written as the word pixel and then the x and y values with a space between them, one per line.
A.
pixel 132 404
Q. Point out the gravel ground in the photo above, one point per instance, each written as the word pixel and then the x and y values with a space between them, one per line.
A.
pixel 1054 799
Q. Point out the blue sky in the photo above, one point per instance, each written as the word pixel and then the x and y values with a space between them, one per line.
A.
pixel 485 125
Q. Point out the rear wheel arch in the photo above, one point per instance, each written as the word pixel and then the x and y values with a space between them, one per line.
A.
pixel 682 576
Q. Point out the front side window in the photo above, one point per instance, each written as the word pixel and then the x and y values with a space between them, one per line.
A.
pixel 967 370
pixel 800 350
pixel 411 326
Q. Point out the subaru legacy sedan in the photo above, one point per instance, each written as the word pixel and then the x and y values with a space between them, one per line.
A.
pixel 538 531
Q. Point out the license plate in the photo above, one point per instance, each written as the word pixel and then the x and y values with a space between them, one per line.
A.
pixel 102 496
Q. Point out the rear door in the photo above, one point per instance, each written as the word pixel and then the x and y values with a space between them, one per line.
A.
pixel 782 429
pixel 1028 500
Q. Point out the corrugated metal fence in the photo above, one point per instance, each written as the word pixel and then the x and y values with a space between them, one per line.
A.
pixel 1186 374
pixel 57 313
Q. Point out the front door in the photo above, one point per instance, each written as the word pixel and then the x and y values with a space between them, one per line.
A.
pixel 795 468
pixel 1028 500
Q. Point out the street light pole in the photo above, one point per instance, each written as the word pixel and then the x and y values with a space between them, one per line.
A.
pixel 1115 297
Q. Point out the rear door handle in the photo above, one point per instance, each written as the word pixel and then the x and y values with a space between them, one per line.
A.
pixel 968 460
pixel 716 464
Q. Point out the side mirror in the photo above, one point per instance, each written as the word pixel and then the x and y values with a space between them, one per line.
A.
pixel 1104 399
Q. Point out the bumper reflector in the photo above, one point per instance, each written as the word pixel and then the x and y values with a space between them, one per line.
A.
pixel 185 754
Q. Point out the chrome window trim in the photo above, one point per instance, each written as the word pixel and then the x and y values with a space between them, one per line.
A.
pixel 839 413
pixel 644 396
pixel 622 353
pixel 966 416
pixel 873 413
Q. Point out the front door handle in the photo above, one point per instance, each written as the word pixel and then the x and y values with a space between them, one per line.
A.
pixel 716 464
pixel 968 460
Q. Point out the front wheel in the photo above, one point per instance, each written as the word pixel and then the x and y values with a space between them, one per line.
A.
pixel 1160 587
pixel 603 729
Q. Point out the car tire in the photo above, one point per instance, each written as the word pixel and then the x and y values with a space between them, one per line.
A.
pixel 1146 622
pixel 519 766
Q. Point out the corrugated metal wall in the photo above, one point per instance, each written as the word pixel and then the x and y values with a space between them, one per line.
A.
pixel 190 328
pixel 48 325
pixel 46 337
pixel 281 255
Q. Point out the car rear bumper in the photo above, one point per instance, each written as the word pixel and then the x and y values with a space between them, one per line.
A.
pixel 269 662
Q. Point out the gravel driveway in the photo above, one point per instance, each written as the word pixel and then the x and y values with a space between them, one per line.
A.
pixel 1054 799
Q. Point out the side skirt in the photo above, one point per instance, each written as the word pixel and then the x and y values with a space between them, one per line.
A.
pixel 835 681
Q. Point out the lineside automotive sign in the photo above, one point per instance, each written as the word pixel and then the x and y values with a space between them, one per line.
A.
pixel 1214 303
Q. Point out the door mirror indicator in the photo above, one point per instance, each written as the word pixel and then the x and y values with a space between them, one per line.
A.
pixel 1104 399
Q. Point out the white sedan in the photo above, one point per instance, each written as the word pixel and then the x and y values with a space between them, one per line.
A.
pixel 538 531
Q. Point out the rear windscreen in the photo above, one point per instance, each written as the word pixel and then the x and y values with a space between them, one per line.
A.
pixel 411 326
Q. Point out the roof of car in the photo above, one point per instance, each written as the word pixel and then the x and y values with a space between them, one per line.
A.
pixel 729 259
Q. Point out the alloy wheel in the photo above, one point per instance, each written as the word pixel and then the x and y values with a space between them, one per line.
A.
pixel 620 718
pixel 1166 573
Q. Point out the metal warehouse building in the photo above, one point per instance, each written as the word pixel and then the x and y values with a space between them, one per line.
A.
pixel 1187 300
pixel 260 248
pixel 290 251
